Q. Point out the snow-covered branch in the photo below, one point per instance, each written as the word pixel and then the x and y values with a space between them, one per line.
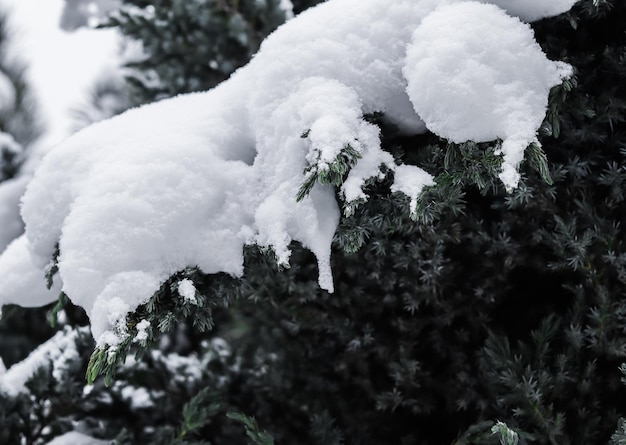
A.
pixel 189 181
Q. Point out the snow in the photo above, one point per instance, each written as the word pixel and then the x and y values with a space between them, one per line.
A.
pixel 189 181
pixel 187 290
pixel 138 397
pixel 22 282
pixel 57 352
pixel 411 180
pixel 532 10
pixel 488 79
pixel 76 438
pixel 142 331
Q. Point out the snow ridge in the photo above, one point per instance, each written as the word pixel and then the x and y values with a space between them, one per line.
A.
pixel 190 180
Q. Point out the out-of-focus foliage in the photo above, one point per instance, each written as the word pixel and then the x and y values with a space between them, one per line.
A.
pixel 17 106
pixel 194 45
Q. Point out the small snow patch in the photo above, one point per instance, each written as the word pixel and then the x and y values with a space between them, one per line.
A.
pixel 187 290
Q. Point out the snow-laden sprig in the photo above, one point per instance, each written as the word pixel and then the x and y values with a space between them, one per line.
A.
pixel 507 435
pixel 192 180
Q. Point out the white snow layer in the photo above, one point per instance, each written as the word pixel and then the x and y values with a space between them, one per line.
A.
pixel 483 84
pixel 76 438
pixel 189 181
pixel 57 352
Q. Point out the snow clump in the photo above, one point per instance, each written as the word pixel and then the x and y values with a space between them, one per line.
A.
pixel 191 180
pixel 187 290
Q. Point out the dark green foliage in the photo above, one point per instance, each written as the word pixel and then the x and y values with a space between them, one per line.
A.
pixel 192 46
pixel 164 310
pixel 255 436
pixel 46 407
pixel 334 174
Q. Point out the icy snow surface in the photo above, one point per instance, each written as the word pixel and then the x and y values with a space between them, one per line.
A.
pixel 189 181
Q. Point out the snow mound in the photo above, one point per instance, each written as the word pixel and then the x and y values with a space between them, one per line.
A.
pixel 189 181
pixel 487 79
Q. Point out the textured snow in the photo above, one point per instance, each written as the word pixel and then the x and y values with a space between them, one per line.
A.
pixel 76 438
pixel 61 69
pixel 187 290
pixel 411 180
pixel 531 10
pixel 22 282
pixel 190 180
pixel 142 331
pixel 57 352
pixel 487 78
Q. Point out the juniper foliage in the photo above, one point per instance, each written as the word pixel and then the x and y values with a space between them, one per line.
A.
pixel 192 46
pixel 479 307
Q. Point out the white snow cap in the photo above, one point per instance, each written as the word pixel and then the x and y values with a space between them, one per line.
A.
pixel 190 180
pixel 531 10
pixel 22 282
pixel 76 438
pixel 487 78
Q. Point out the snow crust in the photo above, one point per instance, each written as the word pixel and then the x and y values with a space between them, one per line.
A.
pixel 190 180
